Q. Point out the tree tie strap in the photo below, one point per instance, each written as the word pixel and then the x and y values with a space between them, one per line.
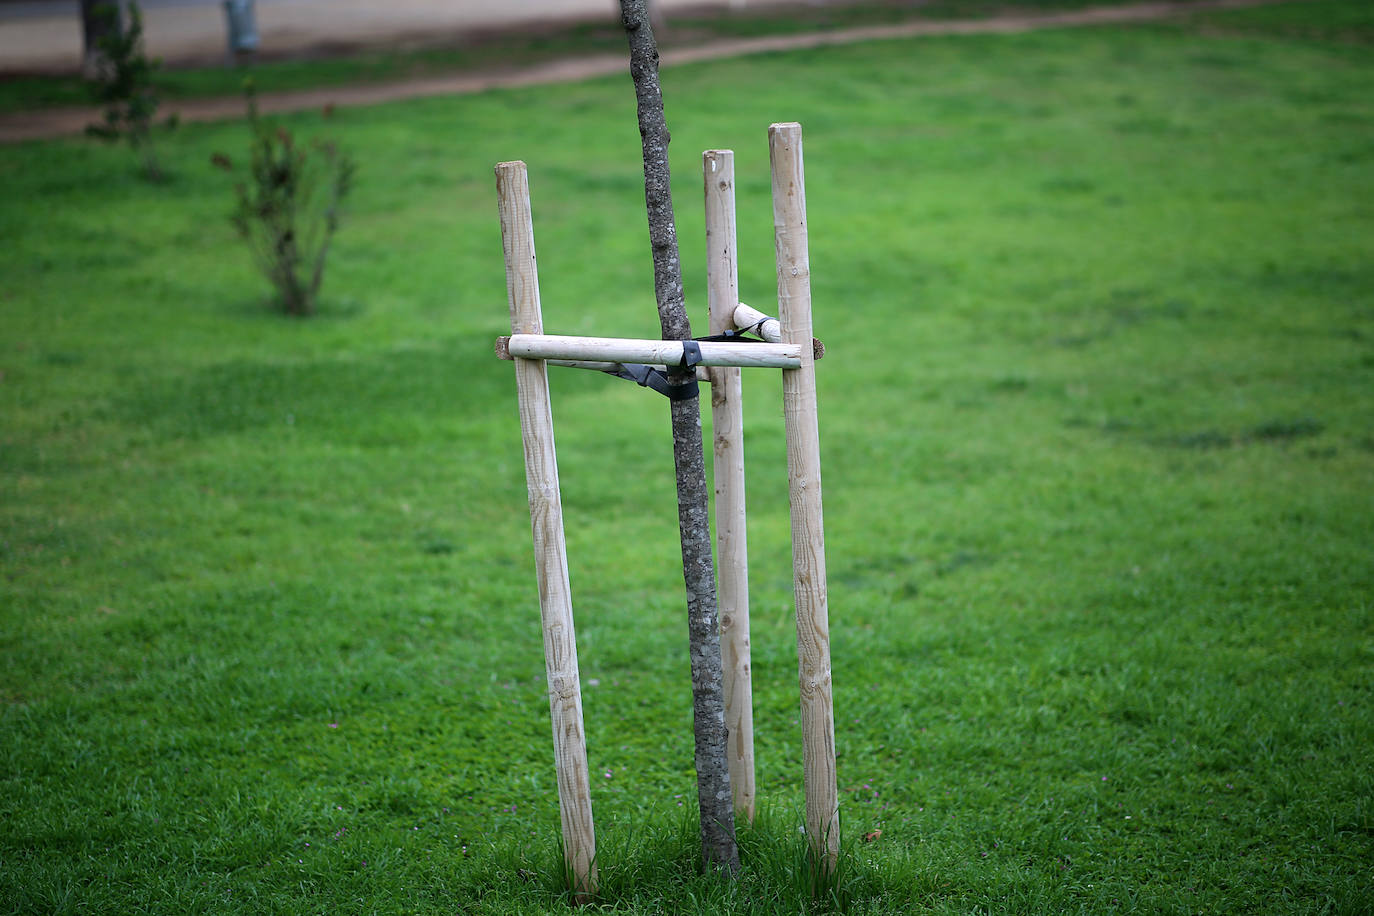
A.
pixel 657 379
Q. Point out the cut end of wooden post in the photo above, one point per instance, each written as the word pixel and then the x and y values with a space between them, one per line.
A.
pixel 503 348
pixel 510 176
pixel 784 127
pixel 714 160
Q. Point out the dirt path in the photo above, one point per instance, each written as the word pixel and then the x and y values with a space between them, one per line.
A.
pixel 57 122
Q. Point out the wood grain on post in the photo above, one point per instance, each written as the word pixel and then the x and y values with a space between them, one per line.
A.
pixel 804 480
pixel 550 551
pixel 727 421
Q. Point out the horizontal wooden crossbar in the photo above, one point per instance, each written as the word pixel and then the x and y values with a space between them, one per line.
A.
pixel 661 352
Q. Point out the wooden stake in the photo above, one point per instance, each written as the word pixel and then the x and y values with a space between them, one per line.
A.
pixel 550 551
pixel 804 479
pixel 727 420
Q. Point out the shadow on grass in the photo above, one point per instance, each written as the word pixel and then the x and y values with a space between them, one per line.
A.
pixel 656 867
pixel 267 308
pixel 1278 430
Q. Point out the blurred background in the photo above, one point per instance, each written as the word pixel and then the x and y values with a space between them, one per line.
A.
pixel 46 35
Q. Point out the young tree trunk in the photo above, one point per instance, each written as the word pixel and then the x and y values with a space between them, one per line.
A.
pixel 99 18
pixel 718 847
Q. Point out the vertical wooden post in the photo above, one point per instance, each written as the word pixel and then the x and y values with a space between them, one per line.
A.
pixel 804 481
pixel 546 517
pixel 727 421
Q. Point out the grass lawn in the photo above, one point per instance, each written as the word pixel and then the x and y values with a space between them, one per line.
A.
pixel 1097 416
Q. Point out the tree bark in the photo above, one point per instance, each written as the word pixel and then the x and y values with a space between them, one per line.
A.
pixel 99 18
pixel 718 847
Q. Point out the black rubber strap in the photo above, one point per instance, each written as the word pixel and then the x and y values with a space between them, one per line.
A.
pixel 657 379
pixel 735 336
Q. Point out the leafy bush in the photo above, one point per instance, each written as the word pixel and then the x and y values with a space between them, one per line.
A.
pixel 289 208
pixel 123 85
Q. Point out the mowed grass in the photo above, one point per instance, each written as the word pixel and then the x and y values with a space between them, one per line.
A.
pixel 1097 419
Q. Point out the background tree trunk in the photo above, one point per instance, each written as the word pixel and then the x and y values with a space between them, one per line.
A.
pixel 718 847
pixel 98 19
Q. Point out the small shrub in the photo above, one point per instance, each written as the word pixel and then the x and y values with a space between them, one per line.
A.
pixel 123 85
pixel 289 207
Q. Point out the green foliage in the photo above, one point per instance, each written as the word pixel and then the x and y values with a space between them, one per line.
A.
pixel 289 208
pixel 124 86
pixel 1096 418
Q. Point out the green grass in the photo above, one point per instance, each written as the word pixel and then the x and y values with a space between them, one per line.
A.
pixel 1098 440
